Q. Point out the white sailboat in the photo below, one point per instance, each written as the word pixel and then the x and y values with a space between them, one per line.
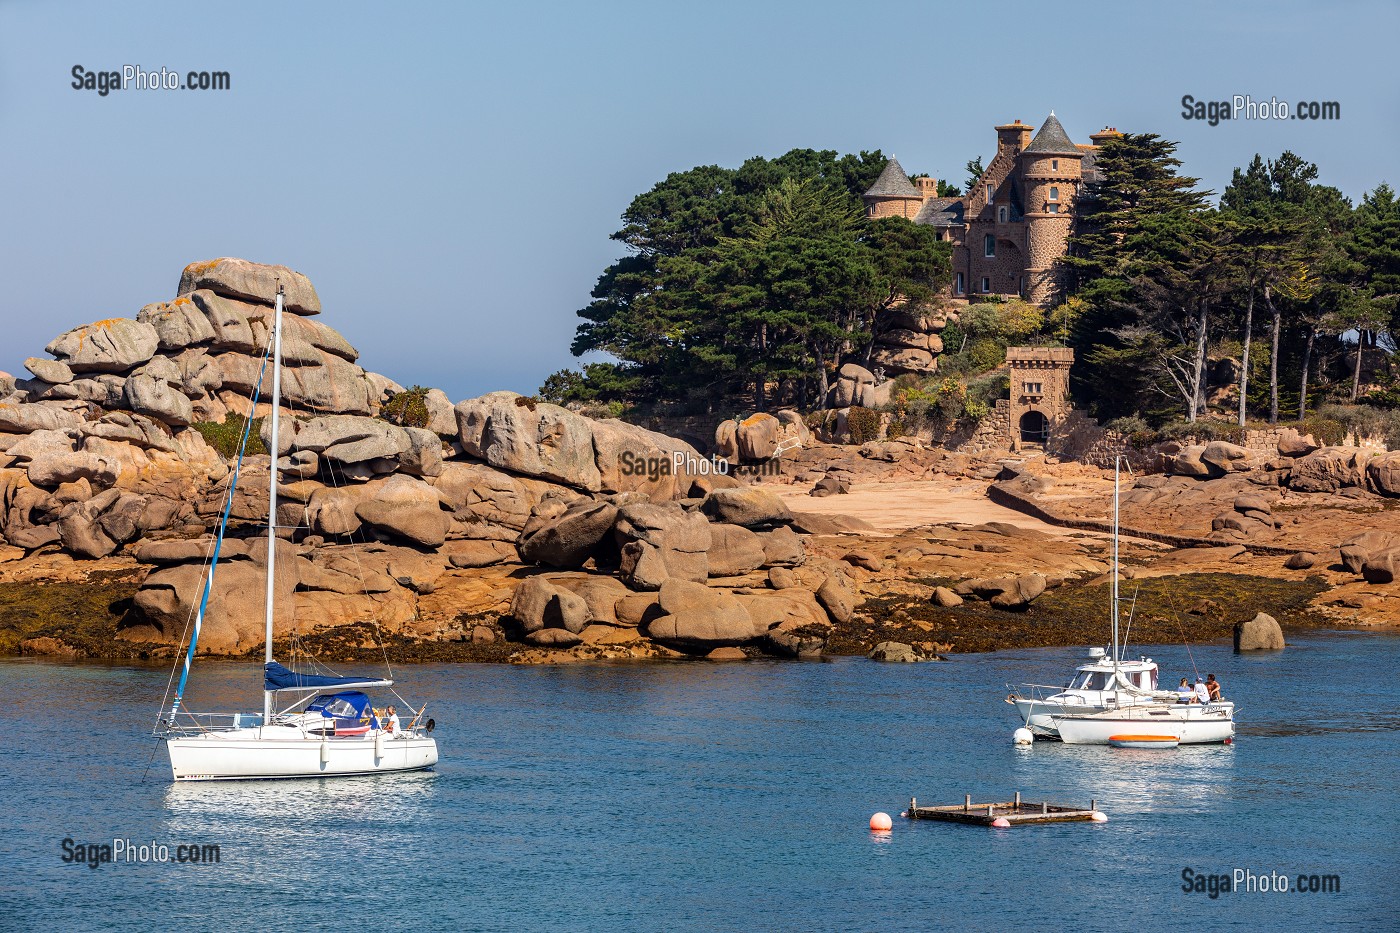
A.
pixel 1112 696
pixel 327 727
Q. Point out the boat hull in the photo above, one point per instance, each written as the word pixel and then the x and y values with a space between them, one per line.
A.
pixel 1039 715
pixel 277 752
pixel 1201 725
pixel 1143 741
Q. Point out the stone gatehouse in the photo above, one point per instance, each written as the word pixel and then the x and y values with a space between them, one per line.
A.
pixel 1039 397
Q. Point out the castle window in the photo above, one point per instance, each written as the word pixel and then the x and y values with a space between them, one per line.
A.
pixel 1001 214
pixel 989 246
pixel 1054 165
pixel 958 287
pixel 990 193
pixel 1054 193
pixel 986 285
pixel 1052 208
pixel 1033 388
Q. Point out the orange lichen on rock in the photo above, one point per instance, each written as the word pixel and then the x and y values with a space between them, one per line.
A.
pixel 201 267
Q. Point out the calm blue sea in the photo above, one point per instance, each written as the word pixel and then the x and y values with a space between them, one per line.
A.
pixel 718 797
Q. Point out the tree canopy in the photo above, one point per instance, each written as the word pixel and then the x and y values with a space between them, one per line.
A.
pixel 742 281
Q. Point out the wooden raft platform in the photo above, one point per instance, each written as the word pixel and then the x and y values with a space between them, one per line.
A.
pixel 1014 812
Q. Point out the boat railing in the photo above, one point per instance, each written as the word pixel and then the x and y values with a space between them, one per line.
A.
pixel 191 723
pixel 1034 692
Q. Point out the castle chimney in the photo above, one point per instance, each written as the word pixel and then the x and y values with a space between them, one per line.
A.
pixel 928 187
pixel 1104 135
pixel 1013 136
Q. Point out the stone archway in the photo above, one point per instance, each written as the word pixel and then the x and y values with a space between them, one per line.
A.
pixel 1034 428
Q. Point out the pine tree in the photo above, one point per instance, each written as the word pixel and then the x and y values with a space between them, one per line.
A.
pixel 1138 241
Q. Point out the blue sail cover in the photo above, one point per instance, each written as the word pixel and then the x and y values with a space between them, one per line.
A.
pixel 349 706
pixel 277 677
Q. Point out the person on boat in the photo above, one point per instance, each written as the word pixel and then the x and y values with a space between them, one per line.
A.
pixel 1202 691
pixel 1213 686
pixel 391 722
pixel 1184 693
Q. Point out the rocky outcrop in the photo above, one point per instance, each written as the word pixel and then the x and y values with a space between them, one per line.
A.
pixel 405 507
pixel 660 542
pixel 856 385
pixel 757 436
pixel 1384 473
pixel 568 538
pixel 1261 633
pixel 692 614
pixel 1373 555
pixel 1008 592
pixel 750 507
pixel 251 281
pixel 1292 444
pixel 104 454
pixel 115 345
pixel 907 340
pixel 893 651
pixel 1329 469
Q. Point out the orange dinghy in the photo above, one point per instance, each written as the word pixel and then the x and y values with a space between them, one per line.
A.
pixel 1144 741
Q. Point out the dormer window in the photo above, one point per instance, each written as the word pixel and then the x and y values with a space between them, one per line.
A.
pixel 989 247
pixel 1001 215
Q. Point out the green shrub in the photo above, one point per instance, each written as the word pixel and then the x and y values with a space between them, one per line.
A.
pixel 1364 421
pixel 1325 431
pixel 224 436
pixel 407 409
pixel 985 353
pixel 1132 424
pixel 863 424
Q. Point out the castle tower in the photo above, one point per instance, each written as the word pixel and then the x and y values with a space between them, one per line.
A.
pixel 893 194
pixel 1039 392
pixel 1051 169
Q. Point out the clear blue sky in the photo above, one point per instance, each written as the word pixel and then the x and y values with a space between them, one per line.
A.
pixel 448 174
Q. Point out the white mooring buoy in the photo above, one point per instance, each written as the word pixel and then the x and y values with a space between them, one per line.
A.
pixel 1023 736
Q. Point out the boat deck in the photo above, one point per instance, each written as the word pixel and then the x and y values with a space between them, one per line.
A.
pixel 1015 812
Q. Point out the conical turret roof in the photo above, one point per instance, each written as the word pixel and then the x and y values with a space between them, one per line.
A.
pixel 893 183
pixel 1052 139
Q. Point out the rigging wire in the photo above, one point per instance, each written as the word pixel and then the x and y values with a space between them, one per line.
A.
pixel 195 615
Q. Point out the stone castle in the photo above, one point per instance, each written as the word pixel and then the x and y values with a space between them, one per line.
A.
pixel 1012 225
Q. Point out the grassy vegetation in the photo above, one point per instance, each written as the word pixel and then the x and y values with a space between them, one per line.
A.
pixel 1192 608
pixel 82 615
pixel 226 435
pixel 345 644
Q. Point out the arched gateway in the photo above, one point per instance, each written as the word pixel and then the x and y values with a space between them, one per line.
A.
pixel 1035 428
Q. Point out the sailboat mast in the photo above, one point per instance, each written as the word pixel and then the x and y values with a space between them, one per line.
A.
pixel 1116 652
pixel 273 449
